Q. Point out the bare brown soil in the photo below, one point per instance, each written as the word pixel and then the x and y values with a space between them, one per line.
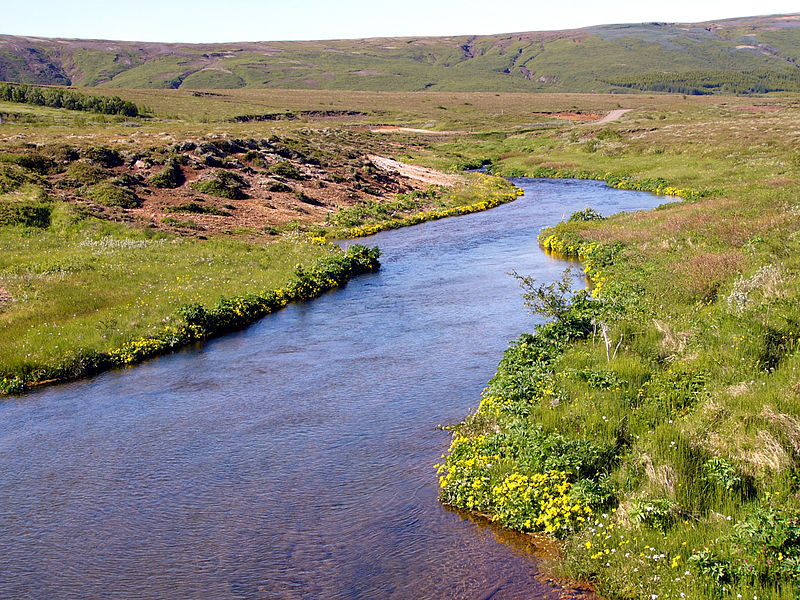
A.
pixel 270 201
pixel 5 297
pixel 759 108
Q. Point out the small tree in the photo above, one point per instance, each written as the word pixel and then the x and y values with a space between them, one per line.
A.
pixel 551 301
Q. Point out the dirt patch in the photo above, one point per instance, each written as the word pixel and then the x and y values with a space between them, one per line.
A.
pixel 276 185
pixel 779 181
pixel 398 129
pixel 5 297
pixel 416 173
pixel 759 108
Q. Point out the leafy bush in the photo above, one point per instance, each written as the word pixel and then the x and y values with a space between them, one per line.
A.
pixel 106 157
pixel 38 163
pixel 659 514
pixel 194 207
pixel 278 187
pixel 57 98
pixel 587 214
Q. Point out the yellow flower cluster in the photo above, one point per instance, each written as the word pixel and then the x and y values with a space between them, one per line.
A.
pixel 538 502
pixel 494 405
pixel 584 252
pixel 136 351
pixel 11 385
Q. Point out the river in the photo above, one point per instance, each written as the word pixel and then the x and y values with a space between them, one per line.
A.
pixel 293 459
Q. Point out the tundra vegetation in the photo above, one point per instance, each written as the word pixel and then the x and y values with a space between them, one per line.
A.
pixel 652 424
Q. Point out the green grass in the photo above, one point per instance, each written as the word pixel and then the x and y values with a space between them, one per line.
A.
pixel 91 284
pixel 693 388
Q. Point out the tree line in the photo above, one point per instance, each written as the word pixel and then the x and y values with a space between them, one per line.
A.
pixel 60 98
pixel 712 82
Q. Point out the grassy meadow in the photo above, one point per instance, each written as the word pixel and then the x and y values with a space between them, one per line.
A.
pixel 653 426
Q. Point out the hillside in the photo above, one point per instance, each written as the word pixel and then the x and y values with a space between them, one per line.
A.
pixel 604 58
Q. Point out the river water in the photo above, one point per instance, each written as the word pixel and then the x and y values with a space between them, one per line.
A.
pixel 293 459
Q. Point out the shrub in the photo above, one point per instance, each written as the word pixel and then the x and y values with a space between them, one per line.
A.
pixel 659 514
pixel 106 157
pixel 587 214
pixel 170 177
pixel 194 207
pixel 222 184
pixel 278 187
pixel 109 194
pixel 87 174
pixel 29 215
pixel 286 169
pixel 38 163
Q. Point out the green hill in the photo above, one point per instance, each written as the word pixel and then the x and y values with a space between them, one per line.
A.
pixel 746 55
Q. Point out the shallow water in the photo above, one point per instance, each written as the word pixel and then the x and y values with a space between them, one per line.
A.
pixel 293 459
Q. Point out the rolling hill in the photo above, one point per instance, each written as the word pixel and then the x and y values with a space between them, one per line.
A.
pixel 745 55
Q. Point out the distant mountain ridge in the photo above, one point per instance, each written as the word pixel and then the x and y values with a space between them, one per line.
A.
pixel 601 58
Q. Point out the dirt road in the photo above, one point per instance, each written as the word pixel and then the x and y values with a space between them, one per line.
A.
pixel 612 116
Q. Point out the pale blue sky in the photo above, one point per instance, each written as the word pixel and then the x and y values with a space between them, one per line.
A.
pixel 238 20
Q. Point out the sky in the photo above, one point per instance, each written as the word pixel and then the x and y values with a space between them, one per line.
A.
pixel 204 21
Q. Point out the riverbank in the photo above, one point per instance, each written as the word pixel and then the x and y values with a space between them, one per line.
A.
pixel 191 322
pixel 654 428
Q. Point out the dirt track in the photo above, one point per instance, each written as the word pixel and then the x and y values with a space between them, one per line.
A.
pixel 612 116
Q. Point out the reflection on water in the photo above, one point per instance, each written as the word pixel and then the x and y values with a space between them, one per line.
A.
pixel 293 459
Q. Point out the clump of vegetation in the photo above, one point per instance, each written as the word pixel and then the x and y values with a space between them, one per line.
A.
pixel 87 173
pixel 278 187
pixel 186 224
pixel 32 161
pixel 106 157
pixel 110 194
pixel 286 169
pixel 587 214
pixel 223 184
pixel 22 213
pixel 171 176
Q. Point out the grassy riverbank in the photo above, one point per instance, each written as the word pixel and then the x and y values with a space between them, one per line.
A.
pixel 656 428
pixel 89 294
pixel 126 236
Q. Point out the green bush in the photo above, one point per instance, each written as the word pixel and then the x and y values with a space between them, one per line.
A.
pixel 109 194
pixel 29 215
pixel 587 214
pixel 87 174
pixel 222 184
pixel 106 157
pixel 170 177
pixel 194 207
pixel 286 169
pixel 38 163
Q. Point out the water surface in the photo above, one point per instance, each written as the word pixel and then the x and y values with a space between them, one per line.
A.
pixel 293 459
